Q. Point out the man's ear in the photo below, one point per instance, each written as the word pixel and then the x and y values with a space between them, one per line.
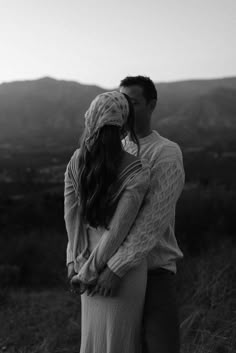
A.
pixel 152 104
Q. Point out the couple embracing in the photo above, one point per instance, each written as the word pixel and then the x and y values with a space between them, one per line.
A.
pixel 121 190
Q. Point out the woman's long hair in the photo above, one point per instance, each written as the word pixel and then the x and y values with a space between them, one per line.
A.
pixel 98 171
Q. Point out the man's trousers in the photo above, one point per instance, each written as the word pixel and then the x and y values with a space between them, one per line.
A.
pixel 160 319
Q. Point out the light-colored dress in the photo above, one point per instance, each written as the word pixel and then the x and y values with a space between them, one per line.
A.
pixel 113 324
pixel 109 324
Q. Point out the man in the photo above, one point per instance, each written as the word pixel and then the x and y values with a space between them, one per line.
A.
pixel 155 238
pixel 159 245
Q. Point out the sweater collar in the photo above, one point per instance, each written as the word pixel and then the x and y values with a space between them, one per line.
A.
pixel 153 136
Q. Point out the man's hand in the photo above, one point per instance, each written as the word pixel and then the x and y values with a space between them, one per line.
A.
pixel 107 284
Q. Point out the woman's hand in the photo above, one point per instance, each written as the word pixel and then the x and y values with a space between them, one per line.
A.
pixel 70 270
pixel 107 284
pixel 77 286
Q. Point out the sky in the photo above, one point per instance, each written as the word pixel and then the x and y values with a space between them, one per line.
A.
pixel 102 41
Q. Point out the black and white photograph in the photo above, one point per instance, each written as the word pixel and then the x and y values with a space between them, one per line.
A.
pixel 117 176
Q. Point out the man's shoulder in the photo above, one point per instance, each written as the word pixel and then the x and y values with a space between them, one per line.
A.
pixel 171 148
pixel 165 148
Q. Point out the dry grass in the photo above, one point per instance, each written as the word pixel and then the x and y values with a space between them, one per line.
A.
pixel 39 322
pixel 208 305
pixel 49 321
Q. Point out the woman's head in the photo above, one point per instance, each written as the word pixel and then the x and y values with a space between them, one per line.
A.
pixel 108 109
pixel 108 118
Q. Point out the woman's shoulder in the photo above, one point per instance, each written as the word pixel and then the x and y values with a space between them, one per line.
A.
pixel 75 155
pixel 139 180
pixel 144 172
pixel 130 160
pixel 73 162
pixel 136 171
pixel 127 159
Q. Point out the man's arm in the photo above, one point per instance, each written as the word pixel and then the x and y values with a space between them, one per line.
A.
pixel 120 224
pixel 167 180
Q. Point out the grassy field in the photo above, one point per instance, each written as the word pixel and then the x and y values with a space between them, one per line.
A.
pixel 207 300
pixel 48 321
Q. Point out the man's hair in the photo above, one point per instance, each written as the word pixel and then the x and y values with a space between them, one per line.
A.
pixel 149 89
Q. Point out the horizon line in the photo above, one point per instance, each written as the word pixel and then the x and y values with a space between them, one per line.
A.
pixel 103 87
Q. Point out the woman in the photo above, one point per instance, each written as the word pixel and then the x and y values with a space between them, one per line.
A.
pixel 104 189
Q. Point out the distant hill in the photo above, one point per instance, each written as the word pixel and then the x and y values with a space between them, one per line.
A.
pixel 173 96
pixel 43 109
pixel 48 110
pixel 207 119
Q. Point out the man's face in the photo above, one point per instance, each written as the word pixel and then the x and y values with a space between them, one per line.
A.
pixel 142 109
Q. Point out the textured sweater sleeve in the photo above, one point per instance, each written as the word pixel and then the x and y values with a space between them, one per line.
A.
pixel 71 209
pixel 122 220
pixel 166 184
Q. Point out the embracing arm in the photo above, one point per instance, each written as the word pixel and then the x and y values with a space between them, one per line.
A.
pixel 167 180
pixel 122 220
pixel 71 209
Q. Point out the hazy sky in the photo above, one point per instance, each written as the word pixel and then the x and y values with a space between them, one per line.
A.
pixel 101 41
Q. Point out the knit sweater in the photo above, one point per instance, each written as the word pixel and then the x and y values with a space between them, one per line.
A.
pixel 152 234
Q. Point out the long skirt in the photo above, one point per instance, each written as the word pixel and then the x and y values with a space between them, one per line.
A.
pixel 113 324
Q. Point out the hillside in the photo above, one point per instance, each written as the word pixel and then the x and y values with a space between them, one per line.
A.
pixel 48 112
pixel 44 109
pixel 174 95
pixel 207 119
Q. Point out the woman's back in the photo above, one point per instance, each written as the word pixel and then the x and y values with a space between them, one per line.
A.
pixel 129 166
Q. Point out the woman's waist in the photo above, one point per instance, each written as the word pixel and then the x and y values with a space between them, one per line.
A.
pixel 94 235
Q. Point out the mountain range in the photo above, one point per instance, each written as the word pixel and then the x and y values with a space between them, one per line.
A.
pixel 193 113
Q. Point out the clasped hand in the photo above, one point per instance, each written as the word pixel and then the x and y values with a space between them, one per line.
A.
pixel 107 284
